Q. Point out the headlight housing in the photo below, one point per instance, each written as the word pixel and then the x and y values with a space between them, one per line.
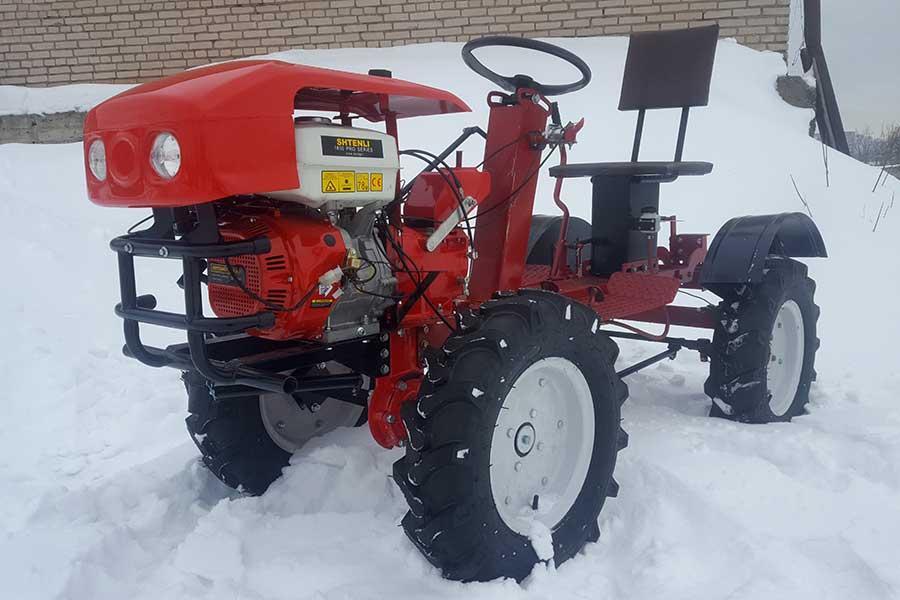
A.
pixel 97 160
pixel 165 155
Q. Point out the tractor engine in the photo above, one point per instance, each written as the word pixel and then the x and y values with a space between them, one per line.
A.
pixel 325 278
pixel 321 282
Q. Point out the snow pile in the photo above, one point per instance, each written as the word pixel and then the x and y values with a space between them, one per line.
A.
pixel 103 496
pixel 17 100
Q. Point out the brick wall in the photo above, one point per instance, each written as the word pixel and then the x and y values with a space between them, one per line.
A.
pixel 49 43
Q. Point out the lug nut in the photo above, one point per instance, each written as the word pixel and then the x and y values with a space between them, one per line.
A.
pixel 507 500
pixel 540 446
pixel 559 424
pixel 518 466
pixel 510 432
pixel 542 382
pixel 384 369
pixel 533 413
pixel 544 481
pixel 384 353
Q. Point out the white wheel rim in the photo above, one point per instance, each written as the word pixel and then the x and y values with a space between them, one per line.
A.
pixel 785 365
pixel 542 445
pixel 290 426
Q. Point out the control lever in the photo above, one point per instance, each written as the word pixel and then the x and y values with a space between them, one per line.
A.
pixel 455 218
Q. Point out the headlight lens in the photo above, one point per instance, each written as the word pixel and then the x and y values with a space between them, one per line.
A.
pixel 165 155
pixel 97 159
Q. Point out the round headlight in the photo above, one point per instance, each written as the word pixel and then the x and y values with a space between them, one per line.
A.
pixel 97 159
pixel 165 155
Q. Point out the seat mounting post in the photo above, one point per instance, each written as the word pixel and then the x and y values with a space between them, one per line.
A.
pixel 638 133
pixel 682 131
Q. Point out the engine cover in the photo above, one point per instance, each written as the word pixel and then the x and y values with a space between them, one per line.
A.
pixel 303 249
pixel 342 167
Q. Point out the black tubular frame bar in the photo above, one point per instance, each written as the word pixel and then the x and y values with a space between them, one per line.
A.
pixel 201 243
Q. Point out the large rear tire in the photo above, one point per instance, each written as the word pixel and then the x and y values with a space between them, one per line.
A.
pixel 764 346
pixel 513 439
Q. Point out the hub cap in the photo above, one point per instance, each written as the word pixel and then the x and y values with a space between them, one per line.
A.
pixel 291 426
pixel 785 358
pixel 542 445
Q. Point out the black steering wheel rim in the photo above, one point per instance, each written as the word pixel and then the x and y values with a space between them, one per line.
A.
pixel 511 84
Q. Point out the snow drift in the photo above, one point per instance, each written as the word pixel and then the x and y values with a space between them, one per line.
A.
pixel 103 497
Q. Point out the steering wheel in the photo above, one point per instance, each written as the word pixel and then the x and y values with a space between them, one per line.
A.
pixel 511 84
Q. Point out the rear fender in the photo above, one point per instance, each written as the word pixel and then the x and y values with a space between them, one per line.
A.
pixel 738 252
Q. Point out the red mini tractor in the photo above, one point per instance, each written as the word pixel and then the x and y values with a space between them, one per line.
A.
pixel 438 310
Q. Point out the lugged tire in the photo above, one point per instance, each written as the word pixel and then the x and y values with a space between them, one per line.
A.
pixel 740 355
pixel 232 439
pixel 445 475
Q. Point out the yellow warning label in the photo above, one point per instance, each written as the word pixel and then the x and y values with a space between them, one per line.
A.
pixel 376 182
pixel 362 182
pixel 338 182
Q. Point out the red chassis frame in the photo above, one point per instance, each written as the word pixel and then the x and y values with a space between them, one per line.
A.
pixel 641 292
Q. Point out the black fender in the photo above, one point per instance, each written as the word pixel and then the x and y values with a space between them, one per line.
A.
pixel 544 233
pixel 738 252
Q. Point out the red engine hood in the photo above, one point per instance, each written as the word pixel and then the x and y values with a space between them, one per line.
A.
pixel 234 123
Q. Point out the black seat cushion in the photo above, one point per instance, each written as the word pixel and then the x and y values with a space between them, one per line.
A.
pixel 633 169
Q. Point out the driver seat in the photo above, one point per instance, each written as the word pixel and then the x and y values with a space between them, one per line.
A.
pixel 664 69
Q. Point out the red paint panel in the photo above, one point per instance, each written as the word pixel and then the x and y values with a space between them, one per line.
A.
pixel 234 123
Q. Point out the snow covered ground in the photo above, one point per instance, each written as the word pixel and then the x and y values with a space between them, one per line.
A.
pixel 102 496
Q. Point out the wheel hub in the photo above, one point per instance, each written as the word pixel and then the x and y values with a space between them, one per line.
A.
pixel 542 444
pixel 524 439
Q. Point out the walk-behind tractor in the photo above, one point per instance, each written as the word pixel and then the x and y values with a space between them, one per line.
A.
pixel 438 309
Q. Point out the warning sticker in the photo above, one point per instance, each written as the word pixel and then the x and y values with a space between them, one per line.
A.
pixel 362 182
pixel 376 182
pixel 321 302
pixel 338 182
pixel 219 274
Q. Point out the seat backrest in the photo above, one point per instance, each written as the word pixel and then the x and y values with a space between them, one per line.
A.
pixel 668 69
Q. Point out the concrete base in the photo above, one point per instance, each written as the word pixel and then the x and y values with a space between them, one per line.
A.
pixel 55 128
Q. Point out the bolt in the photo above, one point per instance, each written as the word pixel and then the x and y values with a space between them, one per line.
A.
pixel 163 251
pixel 319 423
pixel 129 248
pixel 401 385
pixel 533 413
pixel 290 279
pixel 390 419
pixel 510 432
pixel 542 382
pixel 280 425
pixel 774 358
pixel 778 325
pixel 360 331
pixel 321 366
pixel 544 481
pixel 385 369
pixel 383 337
pixel 518 466
pixel 314 407
pixel 384 353
pixel 507 500
pixel 780 362
pixel 559 424
pixel 540 446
